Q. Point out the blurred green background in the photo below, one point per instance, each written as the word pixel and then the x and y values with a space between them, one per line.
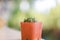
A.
pixel 46 11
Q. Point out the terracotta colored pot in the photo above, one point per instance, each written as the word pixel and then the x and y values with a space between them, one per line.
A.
pixel 31 30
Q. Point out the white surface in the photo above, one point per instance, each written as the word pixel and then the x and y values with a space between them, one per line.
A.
pixel 9 34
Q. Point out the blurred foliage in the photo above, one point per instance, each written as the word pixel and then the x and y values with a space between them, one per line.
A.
pixel 49 21
pixel 52 25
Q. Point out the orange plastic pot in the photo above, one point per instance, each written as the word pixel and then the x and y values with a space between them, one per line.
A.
pixel 31 30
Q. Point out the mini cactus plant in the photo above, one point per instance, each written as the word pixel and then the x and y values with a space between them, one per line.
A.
pixel 30 20
pixel 31 29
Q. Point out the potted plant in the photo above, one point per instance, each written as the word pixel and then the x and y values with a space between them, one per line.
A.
pixel 31 29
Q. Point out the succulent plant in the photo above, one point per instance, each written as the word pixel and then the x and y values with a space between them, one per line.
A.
pixel 30 20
